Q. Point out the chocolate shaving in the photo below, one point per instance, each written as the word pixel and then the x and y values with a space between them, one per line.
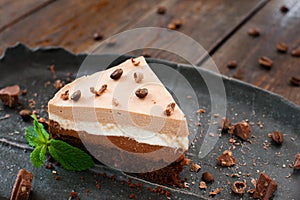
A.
pixel 135 63
pixel 100 91
pixel 170 109
pixel 65 95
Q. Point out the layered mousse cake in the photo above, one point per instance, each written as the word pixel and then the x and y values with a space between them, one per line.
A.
pixel 126 119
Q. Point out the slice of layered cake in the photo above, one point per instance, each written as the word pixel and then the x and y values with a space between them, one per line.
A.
pixel 125 118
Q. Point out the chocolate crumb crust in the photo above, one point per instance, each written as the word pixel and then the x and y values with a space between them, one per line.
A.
pixel 22 186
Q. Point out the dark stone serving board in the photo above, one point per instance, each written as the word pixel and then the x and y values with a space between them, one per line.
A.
pixel 29 69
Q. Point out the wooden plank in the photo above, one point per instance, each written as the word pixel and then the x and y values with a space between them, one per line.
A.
pixel 206 22
pixel 275 27
pixel 71 24
pixel 14 11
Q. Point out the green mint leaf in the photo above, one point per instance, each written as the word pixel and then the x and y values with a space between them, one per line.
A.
pixel 71 158
pixel 39 129
pixel 37 157
pixel 32 137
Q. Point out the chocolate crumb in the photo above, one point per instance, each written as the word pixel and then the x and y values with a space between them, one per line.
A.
pixel 202 185
pixel 284 9
pixel 65 95
pixel 232 64
pixel 141 93
pixel 226 159
pixel 254 32
pixel 215 191
pixel 295 81
pixel 131 196
pixel 265 62
pixel 175 24
pixel 115 102
pixel 201 110
pixel 282 47
pixel 135 63
pixel 225 124
pixel 116 74
pixel 76 95
pixel 296 164
pixel 161 10
pixel 22 186
pixel 170 109
pixel 277 137
pixel 57 178
pixel 242 130
pixel 195 167
pixel 58 84
pixel 138 77
pixel 25 114
pixel 97 36
pixel 10 95
pixel 73 194
pixel 24 92
pixel 239 187
pixel 265 187
pixel 208 177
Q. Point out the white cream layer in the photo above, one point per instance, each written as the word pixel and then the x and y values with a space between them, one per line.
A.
pixel 135 133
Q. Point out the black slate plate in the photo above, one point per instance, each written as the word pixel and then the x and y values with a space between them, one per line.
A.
pixel 29 69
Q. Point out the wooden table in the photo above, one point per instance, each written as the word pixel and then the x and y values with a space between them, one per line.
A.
pixel 219 26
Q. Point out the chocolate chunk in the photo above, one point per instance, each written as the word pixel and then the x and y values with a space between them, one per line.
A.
pixel 277 137
pixel 101 90
pixel 296 164
pixel 242 130
pixel 226 159
pixel 10 95
pixel 141 93
pixel 76 95
pixel 239 187
pixel 265 187
pixel 116 74
pixel 25 114
pixel 175 24
pixel 208 177
pixel 22 186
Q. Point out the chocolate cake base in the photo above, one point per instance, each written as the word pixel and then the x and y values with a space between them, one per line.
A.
pixel 162 165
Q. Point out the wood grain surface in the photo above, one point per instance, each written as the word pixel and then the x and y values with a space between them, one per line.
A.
pixel 275 27
pixel 218 26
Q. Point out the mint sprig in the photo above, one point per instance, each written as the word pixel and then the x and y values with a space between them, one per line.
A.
pixel 71 158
